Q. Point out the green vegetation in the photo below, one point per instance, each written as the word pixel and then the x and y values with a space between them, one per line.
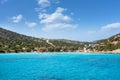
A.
pixel 14 42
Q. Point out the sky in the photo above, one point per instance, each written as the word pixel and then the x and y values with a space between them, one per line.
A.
pixel 82 20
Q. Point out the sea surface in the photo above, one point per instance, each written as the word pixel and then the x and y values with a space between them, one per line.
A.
pixel 59 66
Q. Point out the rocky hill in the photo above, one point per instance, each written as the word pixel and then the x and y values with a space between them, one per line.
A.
pixel 109 44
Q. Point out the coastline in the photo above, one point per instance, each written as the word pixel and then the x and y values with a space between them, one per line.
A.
pixel 90 52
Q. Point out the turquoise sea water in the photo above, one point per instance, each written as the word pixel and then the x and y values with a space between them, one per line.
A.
pixel 51 66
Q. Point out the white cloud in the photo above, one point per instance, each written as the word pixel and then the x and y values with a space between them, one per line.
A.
pixel 111 26
pixel 40 10
pixel 55 17
pixel 44 3
pixel 31 24
pixel 56 20
pixel 3 1
pixel 17 19
pixel 43 16
pixel 58 26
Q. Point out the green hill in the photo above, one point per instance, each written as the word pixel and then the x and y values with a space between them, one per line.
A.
pixel 14 42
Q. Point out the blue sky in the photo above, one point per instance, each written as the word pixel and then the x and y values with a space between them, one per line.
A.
pixel 83 20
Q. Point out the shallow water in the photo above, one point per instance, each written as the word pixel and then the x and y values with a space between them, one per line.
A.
pixel 51 66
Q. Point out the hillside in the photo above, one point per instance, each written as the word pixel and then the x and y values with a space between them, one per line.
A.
pixel 109 44
pixel 14 42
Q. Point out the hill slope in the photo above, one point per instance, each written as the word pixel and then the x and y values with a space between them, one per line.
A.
pixel 109 44
pixel 14 42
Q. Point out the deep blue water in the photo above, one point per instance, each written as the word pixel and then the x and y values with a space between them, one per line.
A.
pixel 59 66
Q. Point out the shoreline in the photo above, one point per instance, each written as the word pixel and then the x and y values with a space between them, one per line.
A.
pixel 99 52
